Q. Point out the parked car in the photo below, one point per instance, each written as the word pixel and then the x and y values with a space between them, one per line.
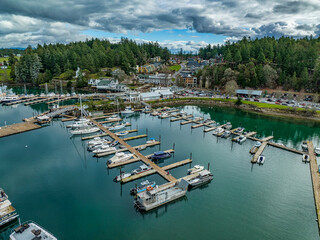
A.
pixel 256 100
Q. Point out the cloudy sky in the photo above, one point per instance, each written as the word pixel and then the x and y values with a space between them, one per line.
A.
pixel 187 24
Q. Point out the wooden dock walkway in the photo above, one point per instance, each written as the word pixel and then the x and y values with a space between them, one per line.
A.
pixel 61 100
pixel 259 152
pixel 39 101
pixel 315 179
pixel 285 148
pixel 135 137
pixel 213 128
pixel 153 171
pixel 207 124
pixel 134 151
pixel 181 118
pixel 18 128
pixel 197 121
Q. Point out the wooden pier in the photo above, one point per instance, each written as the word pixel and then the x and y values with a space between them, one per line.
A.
pixel 105 116
pixel 207 124
pixel 259 152
pixel 18 128
pixel 39 101
pixel 153 171
pixel 135 137
pixel 315 179
pixel 197 121
pixel 181 118
pixel 134 151
pixel 111 121
pixel 61 100
pixel 213 128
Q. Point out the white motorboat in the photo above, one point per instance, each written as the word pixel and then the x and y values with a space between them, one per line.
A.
pixel 127 111
pixel 119 134
pixel 141 169
pixel 121 176
pixel 239 130
pixel 30 230
pixel 204 177
pixel 228 126
pixel 9 99
pixel 241 139
pixel 96 140
pixel 7 211
pixel 164 115
pixel 226 134
pixel 304 146
pixel 87 130
pixel 79 124
pixel 261 159
pixel 117 127
pixel 218 131
pixel 120 157
pixel 258 144
pixel 104 149
pixel 317 151
pixel 305 158
pixel 97 146
pixel 113 117
pixel 195 169
pixel 151 140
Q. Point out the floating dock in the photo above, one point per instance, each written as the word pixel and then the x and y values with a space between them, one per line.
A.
pixel 105 134
pixel 181 118
pixel 18 128
pixel 315 179
pixel 153 171
pixel 134 151
pixel 259 152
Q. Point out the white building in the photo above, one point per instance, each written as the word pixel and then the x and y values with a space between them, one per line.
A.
pixel 149 96
pixel 112 85
pixel 132 96
pixel 159 79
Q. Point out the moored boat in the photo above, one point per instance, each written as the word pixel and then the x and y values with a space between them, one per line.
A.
pixel 304 146
pixel 119 134
pixel 7 211
pixel 117 127
pixel 228 126
pixel 104 149
pixel 127 111
pixel 226 134
pixel 305 158
pixel 204 177
pixel 160 155
pixel 317 151
pixel 151 140
pixel 119 157
pixel 31 231
pixel 239 130
pixel 143 187
pixel 261 159
pixel 195 169
pixel 86 130
pixel 241 139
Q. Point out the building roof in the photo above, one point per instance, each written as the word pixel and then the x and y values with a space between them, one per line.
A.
pixel 150 94
pixel 248 92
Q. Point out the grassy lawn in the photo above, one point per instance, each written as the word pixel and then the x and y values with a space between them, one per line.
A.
pixel 4 59
pixel 175 68
pixel 2 71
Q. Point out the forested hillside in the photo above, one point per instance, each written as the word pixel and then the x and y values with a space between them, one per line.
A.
pixel 266 62
pixel 44 62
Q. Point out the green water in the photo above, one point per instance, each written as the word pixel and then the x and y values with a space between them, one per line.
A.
pixel 57 183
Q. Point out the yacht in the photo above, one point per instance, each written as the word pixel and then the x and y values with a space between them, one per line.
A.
pixel 228 126
pixel 119 134
pixel 226 134
pixel 317 151
pixel 195 169
pixel 151 140
pixel 160 155
pixel 87 130
pixel 96 146
pixel 79 124
pixel 304 146
pixel 155 197
pixel 261 159
pixel 120 157
pixel 143 187
pixel 305 158
pixel 241 139
pixel 141 169
pixel 257 144
pixel 97 140
pixel 164 115
pixel 117 127
pixel 113 117
pixel 31 231
pixel 7 211
pixel 9 99
pixel 239 130
pixel 204 177
pixel 127 111
pixel 104 149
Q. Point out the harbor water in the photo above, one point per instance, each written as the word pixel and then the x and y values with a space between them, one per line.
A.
pixel 51 178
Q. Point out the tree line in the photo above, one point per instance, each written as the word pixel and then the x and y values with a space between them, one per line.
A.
pixel 265 62
pixel 44 62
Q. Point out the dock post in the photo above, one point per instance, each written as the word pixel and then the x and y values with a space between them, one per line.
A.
pixel 147 132
pixel 208 166
pixel 191 155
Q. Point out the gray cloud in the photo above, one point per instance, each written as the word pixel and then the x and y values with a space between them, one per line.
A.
pixel 41 21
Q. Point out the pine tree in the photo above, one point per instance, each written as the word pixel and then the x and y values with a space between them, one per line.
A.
pixel 237 57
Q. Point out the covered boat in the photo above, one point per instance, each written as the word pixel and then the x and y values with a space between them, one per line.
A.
pixel 204 177
pixel 31 231
pixel 160 155
pixel 305 158
pixel 143 187
pixel 261 159
pixel 195 169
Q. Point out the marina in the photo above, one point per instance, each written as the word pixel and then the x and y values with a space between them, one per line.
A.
pixel 177 170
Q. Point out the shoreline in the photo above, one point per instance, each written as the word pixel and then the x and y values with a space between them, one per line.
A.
pixel 271 112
